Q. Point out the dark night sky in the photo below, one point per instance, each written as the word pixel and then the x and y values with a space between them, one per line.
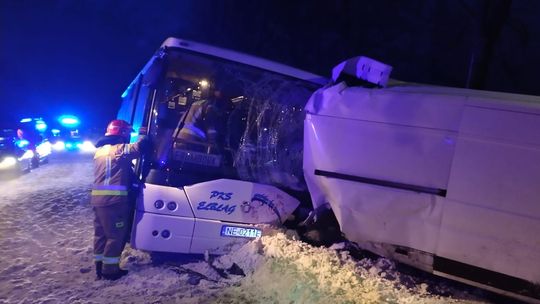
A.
pixel 78 56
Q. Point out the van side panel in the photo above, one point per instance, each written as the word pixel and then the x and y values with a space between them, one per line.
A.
pixel 404 154
pixel 492 216
pixel 416 156
pixel 490 239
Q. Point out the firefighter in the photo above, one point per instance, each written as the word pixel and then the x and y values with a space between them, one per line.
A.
pixel 202 124
pixel 113 207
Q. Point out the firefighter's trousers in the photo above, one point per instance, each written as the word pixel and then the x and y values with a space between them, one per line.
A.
pixel 111 230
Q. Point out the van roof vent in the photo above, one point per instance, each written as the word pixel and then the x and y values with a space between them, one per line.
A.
pixel 362 71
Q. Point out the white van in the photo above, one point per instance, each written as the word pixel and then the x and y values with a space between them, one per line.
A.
pixel 443 179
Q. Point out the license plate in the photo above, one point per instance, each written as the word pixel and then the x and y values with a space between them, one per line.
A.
pixel 240 232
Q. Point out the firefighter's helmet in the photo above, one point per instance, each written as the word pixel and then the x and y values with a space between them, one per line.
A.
pixel 119 127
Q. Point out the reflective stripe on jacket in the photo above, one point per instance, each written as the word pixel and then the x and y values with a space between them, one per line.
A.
pixel 113 172
pixel 119 190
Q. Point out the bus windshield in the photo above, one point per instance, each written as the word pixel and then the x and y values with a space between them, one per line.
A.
pixel 214 118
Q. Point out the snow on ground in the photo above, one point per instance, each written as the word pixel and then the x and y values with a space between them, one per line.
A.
pixel 46 257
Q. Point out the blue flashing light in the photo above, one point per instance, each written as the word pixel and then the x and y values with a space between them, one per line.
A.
pixel 69 121
pixel 21 143
pixel 55 132
pixel 41 126
pixel 26 120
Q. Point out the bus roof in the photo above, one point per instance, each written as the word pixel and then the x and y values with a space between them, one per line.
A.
pixel 245 59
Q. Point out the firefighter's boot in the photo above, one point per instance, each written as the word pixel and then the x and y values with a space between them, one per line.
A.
pixel 99 267
pixel 115 276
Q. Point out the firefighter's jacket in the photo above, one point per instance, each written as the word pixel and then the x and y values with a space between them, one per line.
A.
pixel 113 169
pixel 200 122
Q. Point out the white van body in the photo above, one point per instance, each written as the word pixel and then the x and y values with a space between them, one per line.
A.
pixel 444 179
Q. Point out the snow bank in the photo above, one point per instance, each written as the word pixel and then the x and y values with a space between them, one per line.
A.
pixel 281 269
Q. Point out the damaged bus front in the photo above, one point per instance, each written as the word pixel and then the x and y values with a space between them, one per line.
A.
pixel 227 158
